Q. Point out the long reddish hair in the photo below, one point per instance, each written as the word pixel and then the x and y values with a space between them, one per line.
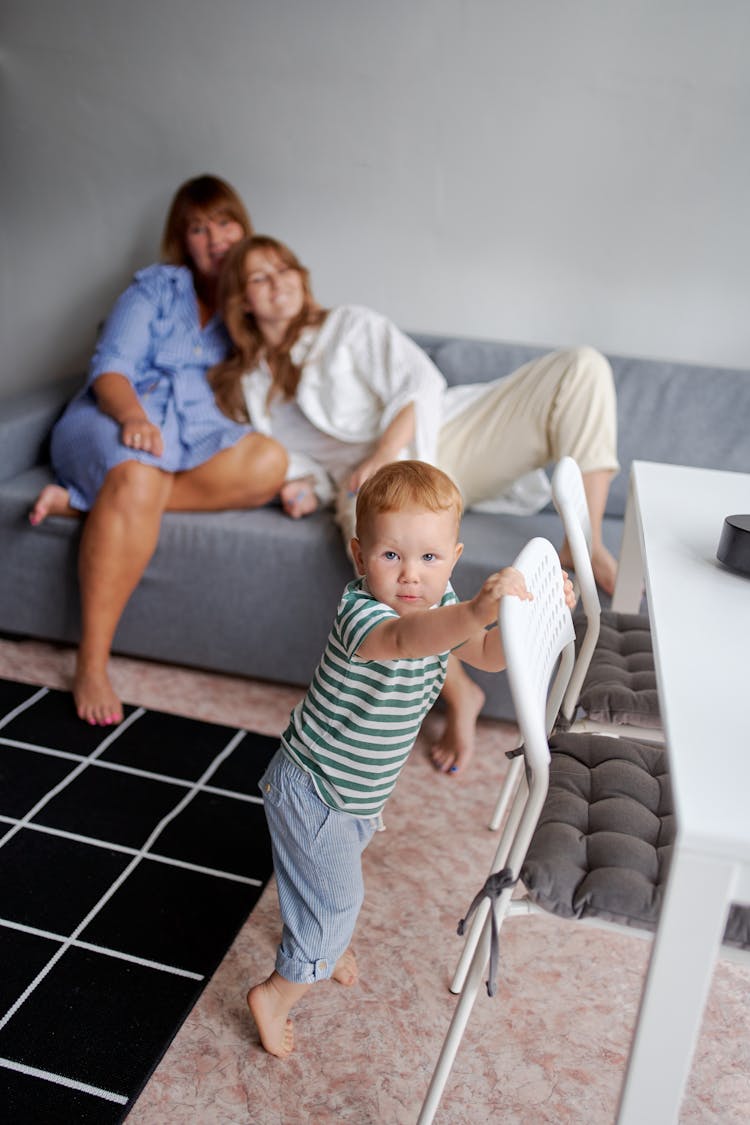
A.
pixel 247 339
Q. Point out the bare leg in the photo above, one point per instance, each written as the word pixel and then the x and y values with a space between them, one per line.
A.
pixel 53 500
pixel 270 1003
pixel 120 536
pixel 118 540
pixel 463 701
pixel 596 486
pixel 247 475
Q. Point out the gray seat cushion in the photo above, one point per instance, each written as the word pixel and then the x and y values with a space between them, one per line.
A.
pixel 620 685
pixel 604 840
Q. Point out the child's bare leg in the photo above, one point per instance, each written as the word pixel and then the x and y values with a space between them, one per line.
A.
pixel 270 1003
pixel 53 500
pixel 346 971
pixel 463 700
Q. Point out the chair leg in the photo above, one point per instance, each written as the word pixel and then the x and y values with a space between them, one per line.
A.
pixel 510 792
pixel 477 971
pixel 506 793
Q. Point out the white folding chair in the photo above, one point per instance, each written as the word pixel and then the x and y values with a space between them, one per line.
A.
pixel 589 828
pixel 613 685
pixel 612 688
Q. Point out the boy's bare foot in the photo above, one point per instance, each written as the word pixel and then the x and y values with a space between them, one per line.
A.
pixel 53 500
pixel 346 971
pixel 96 702
pixel 298 497
pixel 270 1011
pixel 455 749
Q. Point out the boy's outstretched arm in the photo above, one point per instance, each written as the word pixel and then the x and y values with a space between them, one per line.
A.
pixel 486 651
pixel 440 630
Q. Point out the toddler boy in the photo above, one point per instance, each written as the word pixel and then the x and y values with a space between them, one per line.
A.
pixel 349 737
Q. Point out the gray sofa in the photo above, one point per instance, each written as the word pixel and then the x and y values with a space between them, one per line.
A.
pixel 253 593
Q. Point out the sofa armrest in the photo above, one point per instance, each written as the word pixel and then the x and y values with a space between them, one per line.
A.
pixel 25 423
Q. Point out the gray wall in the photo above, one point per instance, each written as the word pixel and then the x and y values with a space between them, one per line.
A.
pixel 552 171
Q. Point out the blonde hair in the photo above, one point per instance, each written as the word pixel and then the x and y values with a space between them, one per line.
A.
pixel 246 335
pixel 407 484
pixel 208 194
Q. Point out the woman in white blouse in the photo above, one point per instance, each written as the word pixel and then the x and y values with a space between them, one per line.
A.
pixel 346 392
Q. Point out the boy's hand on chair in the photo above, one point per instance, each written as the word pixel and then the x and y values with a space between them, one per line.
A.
pixel 570 597
pixel 497 586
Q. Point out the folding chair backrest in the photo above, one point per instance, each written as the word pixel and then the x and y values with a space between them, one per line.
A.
pixel 569 499
pixel 538 636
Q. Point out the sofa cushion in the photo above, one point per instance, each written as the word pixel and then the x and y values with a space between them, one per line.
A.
pixel 680 414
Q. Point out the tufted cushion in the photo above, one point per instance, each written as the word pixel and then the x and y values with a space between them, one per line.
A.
pixel 620 685
pixel 603 843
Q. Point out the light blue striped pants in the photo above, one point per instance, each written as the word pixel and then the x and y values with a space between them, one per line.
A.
pixel 318 866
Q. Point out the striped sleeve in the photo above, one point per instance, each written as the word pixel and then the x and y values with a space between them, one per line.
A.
pixel 359 615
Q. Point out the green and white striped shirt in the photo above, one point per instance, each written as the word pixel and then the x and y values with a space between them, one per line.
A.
pixel 358 720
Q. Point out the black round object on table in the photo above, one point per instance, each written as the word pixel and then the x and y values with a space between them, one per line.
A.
pixel 734 544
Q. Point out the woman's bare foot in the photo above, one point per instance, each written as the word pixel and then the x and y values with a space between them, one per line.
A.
pixel 455 749
pixel 53 500
pixel 346 971
pixel 298 497
pixel 270 1003
pixel 96 702
pixel 603 564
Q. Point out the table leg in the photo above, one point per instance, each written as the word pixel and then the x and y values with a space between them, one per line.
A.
pixel 691 927
pixel 629 586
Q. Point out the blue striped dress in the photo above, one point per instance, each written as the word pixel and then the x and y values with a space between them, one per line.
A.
pixel 153 337
pixel 356 724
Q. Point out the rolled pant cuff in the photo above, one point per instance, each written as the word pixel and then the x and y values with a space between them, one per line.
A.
pixel 303 972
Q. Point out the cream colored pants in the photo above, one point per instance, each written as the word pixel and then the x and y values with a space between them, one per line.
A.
pixel 562 403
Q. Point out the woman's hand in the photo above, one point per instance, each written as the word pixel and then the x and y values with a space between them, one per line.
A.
pixel 116 396
pixel 396 437
pixel 298 497
pixel 364 470
pixel 139 433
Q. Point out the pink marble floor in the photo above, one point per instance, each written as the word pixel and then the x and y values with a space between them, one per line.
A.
pixel 551 1046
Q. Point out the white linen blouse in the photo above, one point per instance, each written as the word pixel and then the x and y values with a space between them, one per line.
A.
pixel 358 371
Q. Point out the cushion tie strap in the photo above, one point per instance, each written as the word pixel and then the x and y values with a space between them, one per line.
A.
pixel 493 887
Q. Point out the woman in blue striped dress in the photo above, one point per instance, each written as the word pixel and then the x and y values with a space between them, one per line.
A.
pixel 144 435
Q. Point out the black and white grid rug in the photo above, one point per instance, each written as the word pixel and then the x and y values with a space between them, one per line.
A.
pixel 130 856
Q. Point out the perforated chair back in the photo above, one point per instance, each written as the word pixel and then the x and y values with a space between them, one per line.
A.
pixel 538 637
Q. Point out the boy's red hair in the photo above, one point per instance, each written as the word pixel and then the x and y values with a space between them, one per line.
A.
pixel 407 484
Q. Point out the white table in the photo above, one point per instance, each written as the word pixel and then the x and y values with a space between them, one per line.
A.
pixel 700 622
